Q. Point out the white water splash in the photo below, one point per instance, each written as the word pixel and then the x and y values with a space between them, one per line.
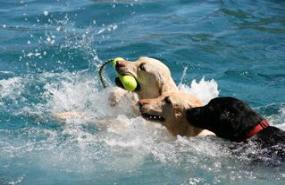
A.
pixel 281 118
pixel 120 128
pixel 111 139
pixel 203 89
pixel 11 88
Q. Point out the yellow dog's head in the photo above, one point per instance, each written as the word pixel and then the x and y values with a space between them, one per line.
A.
pixel 152 75
pixel 169 109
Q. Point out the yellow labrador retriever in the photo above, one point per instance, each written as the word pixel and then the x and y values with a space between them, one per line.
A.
pixel 154 78
pixel 169 109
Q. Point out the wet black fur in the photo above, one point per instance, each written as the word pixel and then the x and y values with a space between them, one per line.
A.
pixel 232 119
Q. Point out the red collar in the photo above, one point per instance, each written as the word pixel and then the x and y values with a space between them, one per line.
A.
pixel 259 127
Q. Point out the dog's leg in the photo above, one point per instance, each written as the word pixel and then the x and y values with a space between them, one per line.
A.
pixel 121 97
pixel 68 115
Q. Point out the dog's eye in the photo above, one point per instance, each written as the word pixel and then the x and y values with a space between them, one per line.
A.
pixel 142 67
pixel 167 100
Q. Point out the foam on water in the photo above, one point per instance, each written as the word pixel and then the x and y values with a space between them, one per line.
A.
pixel 203 89
pixel 110 138
pixel 282 124
pixel 11 88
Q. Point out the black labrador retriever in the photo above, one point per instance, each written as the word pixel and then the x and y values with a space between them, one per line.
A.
pixel 234 120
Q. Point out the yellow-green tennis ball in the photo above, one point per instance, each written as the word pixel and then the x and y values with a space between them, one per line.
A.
pixel 115 60
pixel 129 82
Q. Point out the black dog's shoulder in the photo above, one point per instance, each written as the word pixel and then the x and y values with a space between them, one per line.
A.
pixel 272 136
pixel 272 144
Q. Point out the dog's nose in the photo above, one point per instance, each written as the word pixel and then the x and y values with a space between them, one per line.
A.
pixel 120 64
pixel 141 103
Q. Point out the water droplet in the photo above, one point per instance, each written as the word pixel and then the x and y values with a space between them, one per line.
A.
pixel 58 28
pixel 46 13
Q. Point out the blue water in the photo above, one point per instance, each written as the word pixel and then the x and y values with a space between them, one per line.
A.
pixel 49 55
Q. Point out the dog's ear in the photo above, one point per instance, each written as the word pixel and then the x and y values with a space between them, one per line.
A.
pixel 164 84
pixel 193 114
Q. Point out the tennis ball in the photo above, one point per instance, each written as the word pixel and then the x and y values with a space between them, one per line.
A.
pixel 128 81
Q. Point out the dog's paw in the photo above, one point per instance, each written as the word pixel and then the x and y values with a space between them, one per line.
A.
pixel 113 99
pixel 115 96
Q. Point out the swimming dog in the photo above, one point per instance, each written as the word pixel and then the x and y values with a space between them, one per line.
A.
pixel 232 119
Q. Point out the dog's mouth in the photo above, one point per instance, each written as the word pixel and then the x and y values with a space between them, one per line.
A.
pixel 152 117
pixel 119 83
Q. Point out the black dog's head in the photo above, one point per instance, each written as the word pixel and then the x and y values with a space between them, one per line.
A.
pixel 227 117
